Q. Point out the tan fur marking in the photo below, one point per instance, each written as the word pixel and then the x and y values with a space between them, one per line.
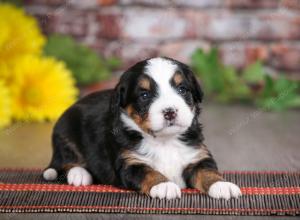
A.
pixel 130 159
pixel 204 178
pixel 203 153
pixel 144 83
pixel 151 179
pixel 177 78
pixel 129 110
pixel 143 123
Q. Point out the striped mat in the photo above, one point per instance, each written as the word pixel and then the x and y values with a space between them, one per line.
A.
pixel 264 193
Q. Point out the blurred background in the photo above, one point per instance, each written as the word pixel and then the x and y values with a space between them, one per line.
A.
pixel 246 54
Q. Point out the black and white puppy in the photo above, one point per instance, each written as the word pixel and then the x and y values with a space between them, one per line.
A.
pixel 144 135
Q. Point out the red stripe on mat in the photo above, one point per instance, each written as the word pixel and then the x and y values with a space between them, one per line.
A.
pixel 151 208
pixel 106 188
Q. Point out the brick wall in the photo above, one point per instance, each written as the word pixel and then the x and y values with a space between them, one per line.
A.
pixel 244 30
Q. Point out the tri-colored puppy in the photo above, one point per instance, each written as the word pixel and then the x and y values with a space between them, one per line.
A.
pixel 144 135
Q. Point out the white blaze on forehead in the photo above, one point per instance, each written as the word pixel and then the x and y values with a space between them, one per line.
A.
pixel 160 70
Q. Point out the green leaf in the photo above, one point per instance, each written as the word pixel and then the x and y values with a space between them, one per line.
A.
pixel 225 84
pixel 86 65
pixel 283 84
pixel 113 62
pixel 268 87
pixel 254 73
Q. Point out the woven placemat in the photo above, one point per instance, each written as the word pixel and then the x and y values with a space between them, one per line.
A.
pixel 264 193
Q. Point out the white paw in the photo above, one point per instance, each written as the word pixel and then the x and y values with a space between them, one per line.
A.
pixel 79 176
pixel 50 174
pixel 168 190
pixel 225 190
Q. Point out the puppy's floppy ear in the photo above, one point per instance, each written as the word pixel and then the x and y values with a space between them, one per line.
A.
pixel 118 99
pixel 198 94
pixel 195 86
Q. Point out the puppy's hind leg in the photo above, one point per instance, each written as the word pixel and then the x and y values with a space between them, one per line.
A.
pixel 76 175
pixel 67 160
pixel 52 172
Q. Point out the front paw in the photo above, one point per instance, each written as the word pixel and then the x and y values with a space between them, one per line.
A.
pixel 225 190
pixel 168 190
pixel 78 176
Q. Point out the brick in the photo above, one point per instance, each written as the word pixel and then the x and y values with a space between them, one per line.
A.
pixel 293 75
pixel 242 54
pixel 45 2
pixel 243 26
pixel 150 24
pixel 163 25
pixel 90 4
pixel 175 3
pixel 134 52
pixel 129 52
pixel 47 23
pixel 291 4
pixel 199 3
pixel 107 2
pixel 135 29
pixel 109 25
pixel 252 4
pixel 61 19
pixel 81 4
pixel 182 50
pixel 196 23
pixel 282 25
pixel 233 54
pixel 72 22
pixel 228 26
pixel 285 56
pixel 146 2
pixel 256 52
pixel 86 4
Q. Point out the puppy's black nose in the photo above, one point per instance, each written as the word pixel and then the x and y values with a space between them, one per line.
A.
pixel 170 114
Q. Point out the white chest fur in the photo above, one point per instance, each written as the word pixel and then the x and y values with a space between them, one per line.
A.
pixel 170 157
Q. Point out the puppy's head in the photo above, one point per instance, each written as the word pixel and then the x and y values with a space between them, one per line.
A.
pixel 158 96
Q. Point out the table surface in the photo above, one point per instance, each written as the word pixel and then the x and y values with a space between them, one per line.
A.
pixel 239 137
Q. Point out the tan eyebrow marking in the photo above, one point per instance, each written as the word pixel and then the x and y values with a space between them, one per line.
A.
pixel 177 78
pixel 144 83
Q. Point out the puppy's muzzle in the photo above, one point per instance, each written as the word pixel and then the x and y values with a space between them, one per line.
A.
pixel 170 114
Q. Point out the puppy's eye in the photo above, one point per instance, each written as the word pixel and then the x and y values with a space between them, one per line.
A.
pixel 182 90
pixel 144 95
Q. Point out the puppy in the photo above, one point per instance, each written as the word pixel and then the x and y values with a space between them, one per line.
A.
pixel 144 135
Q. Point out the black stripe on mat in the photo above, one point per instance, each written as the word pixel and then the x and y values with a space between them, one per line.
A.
pixel 135 203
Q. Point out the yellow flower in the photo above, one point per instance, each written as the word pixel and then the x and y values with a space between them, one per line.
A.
pixel 41 88
pixel 19 35
pixel 5 111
